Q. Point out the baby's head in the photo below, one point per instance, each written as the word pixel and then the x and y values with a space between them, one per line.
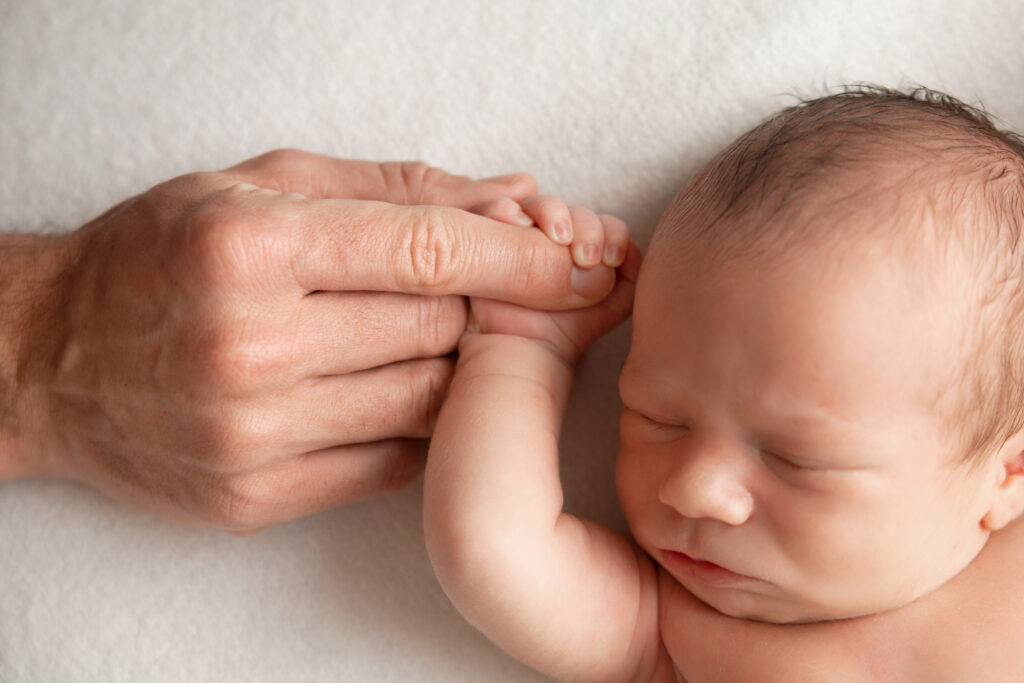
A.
pixel 824 396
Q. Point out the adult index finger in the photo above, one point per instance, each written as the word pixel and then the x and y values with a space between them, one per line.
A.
pixel 345 245
pixel 397 182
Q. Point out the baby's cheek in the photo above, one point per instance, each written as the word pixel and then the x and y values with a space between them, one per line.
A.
pixel 633 481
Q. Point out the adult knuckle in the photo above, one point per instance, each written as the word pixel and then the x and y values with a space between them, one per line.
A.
pixel 433 182
pixel 240 367
pixel 430 252
pixel 245 430
pixel 218 237
pixel 216 429
pixel 237 436
pixel 185 187
pixel 171 202
pixel 415 182
pixel 403 180
pixel 441 320
pixel 413 176
pixel 235 505
pixel 283 158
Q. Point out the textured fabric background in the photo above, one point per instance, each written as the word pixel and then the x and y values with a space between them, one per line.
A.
pixel 609 104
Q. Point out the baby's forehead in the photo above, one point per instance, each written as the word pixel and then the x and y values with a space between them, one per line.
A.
pixel 807 311
pixel 843 260
pixel 823 230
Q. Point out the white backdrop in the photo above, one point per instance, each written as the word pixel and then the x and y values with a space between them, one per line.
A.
pixel 608 104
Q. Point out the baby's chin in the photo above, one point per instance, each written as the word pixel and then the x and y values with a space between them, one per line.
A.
pixel 785 609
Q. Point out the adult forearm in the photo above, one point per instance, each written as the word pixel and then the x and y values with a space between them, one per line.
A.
pixel 32 273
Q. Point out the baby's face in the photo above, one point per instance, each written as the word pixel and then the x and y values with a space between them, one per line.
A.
pixel 780 451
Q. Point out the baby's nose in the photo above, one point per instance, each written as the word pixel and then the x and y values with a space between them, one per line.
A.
pixel 707 482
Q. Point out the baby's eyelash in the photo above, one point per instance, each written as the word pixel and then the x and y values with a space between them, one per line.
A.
pixel 790 464
pixel 664 426
pixel 785 462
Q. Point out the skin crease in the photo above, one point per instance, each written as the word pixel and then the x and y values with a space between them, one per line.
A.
pixel 868 516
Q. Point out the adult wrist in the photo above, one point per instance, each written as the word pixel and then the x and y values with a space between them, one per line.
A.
pixel 33 269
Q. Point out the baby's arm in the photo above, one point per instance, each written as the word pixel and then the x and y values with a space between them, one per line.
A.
pixel 565 595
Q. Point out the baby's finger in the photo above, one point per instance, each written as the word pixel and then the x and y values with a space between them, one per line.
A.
pixel 551 215
pixel 587 237
pixel 616 240
pixel 505 210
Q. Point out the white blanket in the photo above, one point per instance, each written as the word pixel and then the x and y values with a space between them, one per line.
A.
pixel 608 104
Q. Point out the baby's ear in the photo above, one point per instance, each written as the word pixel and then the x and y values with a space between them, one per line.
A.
pixel 1009 497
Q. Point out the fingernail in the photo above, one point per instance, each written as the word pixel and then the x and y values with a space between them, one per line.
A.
pixel 591 255
pixel 591 283
pixel 524 220
pixel 563 232
pixel 508 179
pixel 613 255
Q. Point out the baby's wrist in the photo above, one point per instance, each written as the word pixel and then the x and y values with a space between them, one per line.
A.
pixel 484 355
pixel 508 346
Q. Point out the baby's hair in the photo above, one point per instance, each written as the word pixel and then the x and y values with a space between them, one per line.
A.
pixel 916 168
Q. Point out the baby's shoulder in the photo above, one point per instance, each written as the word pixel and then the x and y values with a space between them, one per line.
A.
pixel 969 628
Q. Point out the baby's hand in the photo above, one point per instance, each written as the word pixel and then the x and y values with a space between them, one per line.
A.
pixel 595 241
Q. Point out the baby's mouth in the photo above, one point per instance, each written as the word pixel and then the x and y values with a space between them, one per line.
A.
pixel 683 566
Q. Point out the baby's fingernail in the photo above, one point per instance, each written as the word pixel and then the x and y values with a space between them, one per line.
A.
pixel 524 220
pixel 587 255
pixel 563 232
pixel 591 283
pixel 613 255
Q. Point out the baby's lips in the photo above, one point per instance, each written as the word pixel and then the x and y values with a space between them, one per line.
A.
pixel 593 283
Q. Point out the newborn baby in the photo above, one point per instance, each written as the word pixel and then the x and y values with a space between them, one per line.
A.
pixel 823 399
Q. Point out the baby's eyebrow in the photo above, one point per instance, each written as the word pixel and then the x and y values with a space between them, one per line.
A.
pixel 775 414
pixel 815 433
pixel 798 415
pixel 805 418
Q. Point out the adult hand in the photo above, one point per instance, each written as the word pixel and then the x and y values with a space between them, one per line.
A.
pixel 249 346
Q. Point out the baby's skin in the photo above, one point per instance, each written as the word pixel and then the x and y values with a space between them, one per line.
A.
pixel 787 536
